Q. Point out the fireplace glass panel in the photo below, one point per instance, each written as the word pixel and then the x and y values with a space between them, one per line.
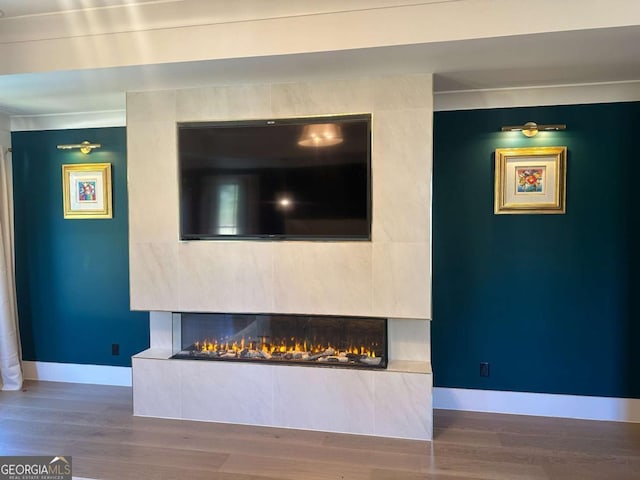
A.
pixel 356 342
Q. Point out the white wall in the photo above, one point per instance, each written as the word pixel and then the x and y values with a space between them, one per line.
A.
pixel 387 277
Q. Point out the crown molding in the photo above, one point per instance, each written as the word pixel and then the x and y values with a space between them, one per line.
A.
pixel 65 121
pixel 537 96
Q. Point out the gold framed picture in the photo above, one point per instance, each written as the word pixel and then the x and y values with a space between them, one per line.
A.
pixel 86 190
pixel 530 180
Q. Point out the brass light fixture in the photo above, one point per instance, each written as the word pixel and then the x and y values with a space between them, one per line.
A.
pixel 320 135
pixel 531 129
pixel 85 147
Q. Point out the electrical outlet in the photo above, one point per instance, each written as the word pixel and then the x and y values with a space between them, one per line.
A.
pixel 484 369
pixel 115 349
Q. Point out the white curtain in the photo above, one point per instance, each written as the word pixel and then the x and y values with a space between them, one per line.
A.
pixel 10 355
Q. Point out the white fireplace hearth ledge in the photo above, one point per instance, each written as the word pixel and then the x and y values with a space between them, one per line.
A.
pixel 395 402
pixel 406 366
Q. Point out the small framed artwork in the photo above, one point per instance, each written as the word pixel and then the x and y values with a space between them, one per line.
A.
pixel 86 190
pixel 530 180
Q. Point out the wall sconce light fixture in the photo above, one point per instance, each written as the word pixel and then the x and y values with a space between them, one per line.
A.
pixel 85 147
pixel 531 129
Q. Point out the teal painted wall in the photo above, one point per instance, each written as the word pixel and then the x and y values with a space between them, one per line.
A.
pixel 72 275
pixel 549 300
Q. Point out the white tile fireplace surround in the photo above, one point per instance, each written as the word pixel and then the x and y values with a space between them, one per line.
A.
pixel 388 276
pixel 395 402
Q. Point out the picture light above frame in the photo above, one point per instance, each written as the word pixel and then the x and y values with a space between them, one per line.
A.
pixel 85 147
pixel 531 129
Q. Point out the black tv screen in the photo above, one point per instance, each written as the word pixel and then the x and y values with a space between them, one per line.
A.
pixel 305 178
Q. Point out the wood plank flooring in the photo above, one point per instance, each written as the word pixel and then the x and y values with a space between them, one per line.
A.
pixel 94 425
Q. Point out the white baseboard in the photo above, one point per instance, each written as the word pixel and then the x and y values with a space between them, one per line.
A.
pixel 76 373
pixel 538 404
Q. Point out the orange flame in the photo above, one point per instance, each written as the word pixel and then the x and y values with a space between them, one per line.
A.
pixel 292 346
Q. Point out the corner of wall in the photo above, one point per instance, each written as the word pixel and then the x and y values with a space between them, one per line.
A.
pixel 5 130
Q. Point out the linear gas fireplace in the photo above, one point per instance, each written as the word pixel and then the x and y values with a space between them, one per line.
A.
pixel 355 342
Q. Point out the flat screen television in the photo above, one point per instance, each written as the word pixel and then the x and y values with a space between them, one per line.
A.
pixel 301 178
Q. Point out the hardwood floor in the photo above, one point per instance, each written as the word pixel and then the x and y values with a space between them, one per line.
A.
pixel 94 425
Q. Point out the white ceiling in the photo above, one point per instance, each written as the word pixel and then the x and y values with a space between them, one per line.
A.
pixel 19 8
pixel 573 57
